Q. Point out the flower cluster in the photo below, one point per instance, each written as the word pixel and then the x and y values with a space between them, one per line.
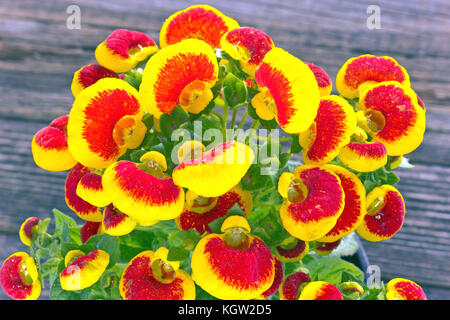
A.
pixel 198 218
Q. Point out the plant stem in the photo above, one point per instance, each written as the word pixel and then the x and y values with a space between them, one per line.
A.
pixel 241 124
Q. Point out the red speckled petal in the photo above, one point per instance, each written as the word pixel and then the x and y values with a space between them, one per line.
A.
pixel 320 290
pixel 403 289
pixel 87 75
pixel 89 229
pixel 364 157
pixel 138 283
pixel 276 282
pixel 199 22
pixel 322 78
pixel 83 209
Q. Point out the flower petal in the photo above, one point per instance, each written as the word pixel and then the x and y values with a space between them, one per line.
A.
pixel 83 209
pixel 390 114
pixel 27 229
pixel 322 78
pixel 291 284
pixel 364 157
pixel 385 214
pixel 403 289
pixel 354 208
pixel 321 201
pixel 87 75
pixel 138 282
pixel 291 90
pixel 335 122
pixel 248 46
pixel 368 68
pixel 101 114
pixel 19 277
pixel 185 70
pixel 124 49
pixel 84 271
pixel 320 290
pixel 90 189
pixel 49 147
pixel 116 223
pixel 227 162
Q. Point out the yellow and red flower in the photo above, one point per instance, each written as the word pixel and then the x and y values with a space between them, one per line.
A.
pixel 403 289
pixel 142 190
pixel 200 211
pixel 354 207
pixel 363 156
pixel 90 229
pixel 123 49
pixel 292 285
pixel 19 277
pixel 315 200
pixel 104 122
pixel 234 264
pixel 82 271
pixel 291 250
pixel 288 91
pixel 228 162
pixel 368 69
pixel 27 229
pixel 87 75
pixel 201 22
pixel 82 208
pixel 116 223
pixel 322 78
pixel 184 74
pixel 276 281
pixel 391 115
pixel 49 147
pixel 150 276
pixel 385 214
pixel 332 128
pixel 326 248
pixel 90 189
pixel 320 290
pixel 248 46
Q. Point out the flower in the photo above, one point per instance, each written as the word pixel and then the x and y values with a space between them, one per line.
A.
pixel 320 290
pixel 123 49
pixel 325 248
pixel 27 229
pixel 142 190
pixel 276 281
pixel 82 208
pixel 105 121
pixel 234 264
pixel 227 162
pixel 354 207
pixel 87 75
pixel 288 91
pixel 200 211
pixel 352 288
pixel 322 78
pixel 116 223
pixel 291 250
pixel 292 285
pixel 385 214
pixel 201 22
pixel 82 271
pixel 19 277
pixel 49 147
pixel 90 189
pixel 248 46
pixel 184 74
pixel 390 114
pixel 335 122
pixel 368 69
pixel 363 156
pixel 90 229
pixel 315 200
pixel 403 289
pixel 150 276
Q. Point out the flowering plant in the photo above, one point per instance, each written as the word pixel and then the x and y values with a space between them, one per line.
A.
pixel 183 198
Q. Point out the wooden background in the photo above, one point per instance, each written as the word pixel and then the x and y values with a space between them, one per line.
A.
pixel 38 55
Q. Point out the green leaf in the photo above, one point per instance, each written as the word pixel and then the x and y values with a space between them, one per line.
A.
pixel 137 154
pixel 295 145
pixel 331 269
pixel 57 292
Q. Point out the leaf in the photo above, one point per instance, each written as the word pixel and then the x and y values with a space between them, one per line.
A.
pixel 62 219
pixel 331 269
pixel 347 247
pixel 57 292
pixel 178 254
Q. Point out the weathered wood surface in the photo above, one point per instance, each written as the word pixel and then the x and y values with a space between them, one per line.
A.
pixel 38 56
